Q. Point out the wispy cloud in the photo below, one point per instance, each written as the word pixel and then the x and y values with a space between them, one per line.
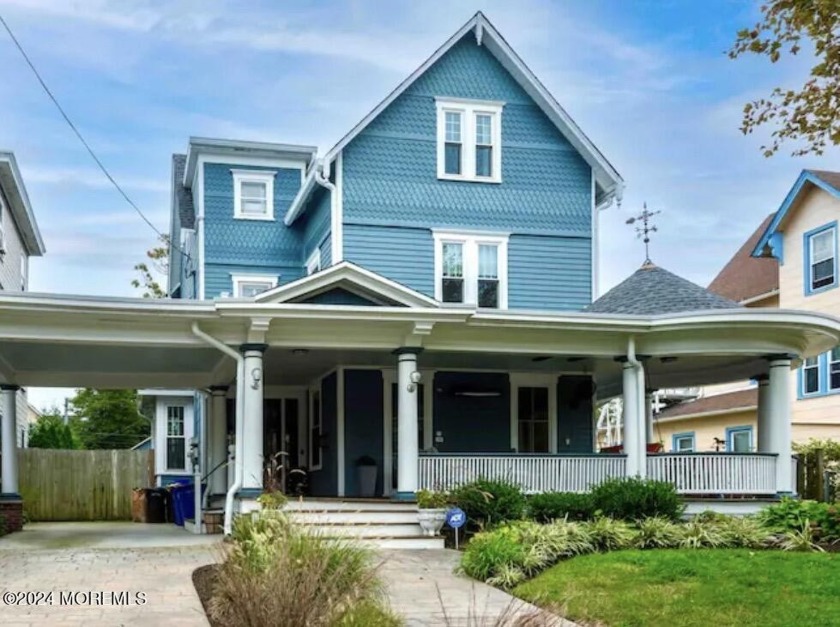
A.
pixel 93 178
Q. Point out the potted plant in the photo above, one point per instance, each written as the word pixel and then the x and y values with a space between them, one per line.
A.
pixel 432 510
pixel 366 472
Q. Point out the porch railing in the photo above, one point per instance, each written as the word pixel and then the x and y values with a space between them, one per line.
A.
pixel 532 473
pixel 714 473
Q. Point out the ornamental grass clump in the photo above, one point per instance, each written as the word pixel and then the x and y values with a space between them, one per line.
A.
pixel 275 572
pixel 743 532
pixel 609 534
pixel 656 533
pixel 696 534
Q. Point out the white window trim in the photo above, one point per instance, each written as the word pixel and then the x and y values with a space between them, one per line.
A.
pixel 471 242
pixel 311 423
pixel 468 110
pixel 239 279
pixel 805 368
pixel 829 362
pixel 531 380
pixel 163 402
pixel 313 262
pixel 253 176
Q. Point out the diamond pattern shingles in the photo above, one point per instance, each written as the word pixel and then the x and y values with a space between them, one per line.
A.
pixel 653 291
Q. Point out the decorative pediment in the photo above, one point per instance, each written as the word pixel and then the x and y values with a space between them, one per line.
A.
pixel 347 284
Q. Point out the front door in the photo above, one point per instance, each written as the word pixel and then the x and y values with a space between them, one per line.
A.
pixel 281 432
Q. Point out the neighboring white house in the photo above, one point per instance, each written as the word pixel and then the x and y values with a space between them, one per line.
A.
pixel 19 240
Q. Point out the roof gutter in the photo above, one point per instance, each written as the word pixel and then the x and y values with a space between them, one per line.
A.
pixel 240 394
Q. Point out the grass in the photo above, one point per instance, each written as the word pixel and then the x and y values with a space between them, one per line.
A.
pixel 699 587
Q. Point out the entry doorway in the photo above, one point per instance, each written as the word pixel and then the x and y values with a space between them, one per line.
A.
pixel 533 412
pixel 284 430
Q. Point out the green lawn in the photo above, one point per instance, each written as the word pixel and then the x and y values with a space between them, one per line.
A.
pixel 693 587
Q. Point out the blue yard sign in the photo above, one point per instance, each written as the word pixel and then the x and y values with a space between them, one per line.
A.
pixel 456 518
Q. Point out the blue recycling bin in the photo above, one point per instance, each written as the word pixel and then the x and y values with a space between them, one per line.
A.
pixel 183 501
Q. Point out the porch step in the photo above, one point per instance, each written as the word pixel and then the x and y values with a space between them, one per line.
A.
pixel 353 505
pixel 351 517
pixel 366 530
pixel 416 542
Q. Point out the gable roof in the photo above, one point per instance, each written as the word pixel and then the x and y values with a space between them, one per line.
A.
pixel 352 278
pixel 729 402
pixel 15 195
pixel 825 180
pixel 746 277
pixel 607 179
pixel 652 291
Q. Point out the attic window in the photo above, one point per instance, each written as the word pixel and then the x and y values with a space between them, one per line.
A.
pixel 253 195
pixel 469 140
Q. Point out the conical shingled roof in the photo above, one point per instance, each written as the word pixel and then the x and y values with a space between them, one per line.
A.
pixel 652 291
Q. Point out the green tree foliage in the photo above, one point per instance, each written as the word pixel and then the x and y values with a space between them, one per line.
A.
pixel 49 431
pixel 149 271
pixel 108 419
pixel 809 115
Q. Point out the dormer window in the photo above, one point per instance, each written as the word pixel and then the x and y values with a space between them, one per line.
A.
pixel 253 195
pixel 249 285
pixel 469 138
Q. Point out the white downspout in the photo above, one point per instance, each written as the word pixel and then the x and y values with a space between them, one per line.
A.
pixel 322 178
pixel 237 455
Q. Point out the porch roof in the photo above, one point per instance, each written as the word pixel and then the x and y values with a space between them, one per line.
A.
pixel 53 340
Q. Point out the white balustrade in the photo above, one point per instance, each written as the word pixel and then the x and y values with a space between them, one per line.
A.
pixel 715 473
pixel 691 473
pixel 532 473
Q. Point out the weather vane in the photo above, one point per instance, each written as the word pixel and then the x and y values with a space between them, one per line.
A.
pixel 645 229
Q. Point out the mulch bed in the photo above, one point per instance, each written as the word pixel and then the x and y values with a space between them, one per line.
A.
pixel 204 579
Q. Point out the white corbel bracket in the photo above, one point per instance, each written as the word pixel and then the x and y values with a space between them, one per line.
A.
pixel 420 331
pixel 258 329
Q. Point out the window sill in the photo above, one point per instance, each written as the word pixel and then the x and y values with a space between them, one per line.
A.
pixel 820 290
pixel 805 397
pixel 468 179
pixel 257 218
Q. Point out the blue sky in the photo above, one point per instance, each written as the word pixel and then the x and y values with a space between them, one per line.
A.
pixel 647 80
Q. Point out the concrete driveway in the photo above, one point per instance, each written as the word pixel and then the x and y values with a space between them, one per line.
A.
pixel 102 574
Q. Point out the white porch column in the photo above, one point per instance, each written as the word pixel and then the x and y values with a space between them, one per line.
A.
pixel 632 431
pixel 763 426
pixel 407 458
pixel 9 469
pixel 217 447
pixel 778 421
pixel 252 428
pixel 650 435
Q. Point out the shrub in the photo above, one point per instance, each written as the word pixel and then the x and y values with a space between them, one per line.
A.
pixel 697 535
pixel 489 551
pixel 802 539
pixel 428 499
pixel 742 532
pixel 634 499
pixel 487 503
pixel 789 515
pixel 561 505
pixel 275 569
pixel 656 533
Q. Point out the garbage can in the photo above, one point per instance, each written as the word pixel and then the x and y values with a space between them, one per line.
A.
pixel 177 492
pixel 139 505
pixel 156 501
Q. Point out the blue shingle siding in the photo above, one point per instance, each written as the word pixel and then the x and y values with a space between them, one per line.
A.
pixel 326 252
pixel 390 180
pixel 338 296
pixel 404 255
pixel 255 246
pixel 549 272
pixel 217 278
pixel 316 224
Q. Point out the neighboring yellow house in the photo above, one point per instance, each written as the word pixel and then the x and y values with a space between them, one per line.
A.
pixel 789 262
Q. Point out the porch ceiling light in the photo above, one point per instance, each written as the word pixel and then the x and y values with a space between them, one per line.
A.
pixel 300 351
pixel 668 360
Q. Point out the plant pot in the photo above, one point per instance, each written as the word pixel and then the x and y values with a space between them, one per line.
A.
pixel 366 476
pixel 431 520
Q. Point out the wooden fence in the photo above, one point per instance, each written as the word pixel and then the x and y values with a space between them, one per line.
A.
pixel 813 479
pixel 82 485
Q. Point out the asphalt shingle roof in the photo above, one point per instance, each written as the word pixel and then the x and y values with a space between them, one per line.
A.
pixel 183 198
pixel 730 401
pixel 653 291
pixel 746 276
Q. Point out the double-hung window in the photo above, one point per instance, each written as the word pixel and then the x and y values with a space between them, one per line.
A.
pixel 834 369
pixel 253 195
pixel 821 250
pixel 249 285
pixel 471 269
pixel 683 443
pixel 176 438
pixel 739 439
pixel 811 376
pixel 469 137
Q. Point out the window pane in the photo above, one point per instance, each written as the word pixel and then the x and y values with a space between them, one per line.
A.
pixel 483 161
pixel 822 273
pixel 453 290
pixel 251 289
pixel 453 260
pixel 812 380
pixel 741 441
pixel 453 126
pixel 175 420
pixel 488 261
pixel 488 293
pixel 175 453
pixel 835 354
pixel 253 207
pixel 685 444
pixel 540 438
pixel 822 246
pixel 452 160
pixel 252 190
pixel 526 443
pixel 483 129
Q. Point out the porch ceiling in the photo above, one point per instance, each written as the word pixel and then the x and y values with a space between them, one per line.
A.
pixel 51 340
